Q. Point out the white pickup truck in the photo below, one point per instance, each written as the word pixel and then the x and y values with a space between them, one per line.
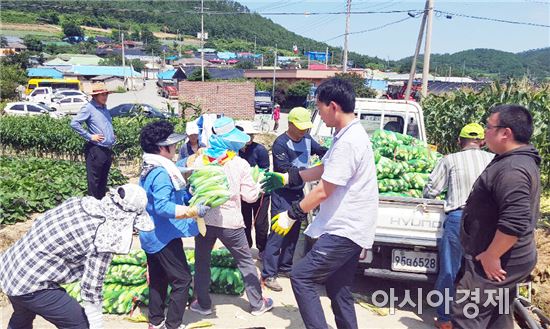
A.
pixel 408 229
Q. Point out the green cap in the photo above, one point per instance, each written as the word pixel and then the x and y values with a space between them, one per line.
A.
pixel 472 130
pixel 300 117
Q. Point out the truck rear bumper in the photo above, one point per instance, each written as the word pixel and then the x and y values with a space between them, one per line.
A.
pixel 401 276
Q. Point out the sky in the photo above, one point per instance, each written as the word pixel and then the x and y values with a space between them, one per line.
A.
pixel 399 40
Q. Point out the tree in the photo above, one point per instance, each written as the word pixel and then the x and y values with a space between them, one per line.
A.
pixel 137 65
pixel 71 29
pixel 299 88
pixel 197 75
pixel 358 84
pixel 32 43
pixel 12 76
pixel 245 65
pixel 20 60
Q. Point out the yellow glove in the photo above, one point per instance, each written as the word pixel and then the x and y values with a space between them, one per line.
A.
pixel 281 223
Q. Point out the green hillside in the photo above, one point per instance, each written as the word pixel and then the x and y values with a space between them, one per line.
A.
pixel 488 62
pixel 172 17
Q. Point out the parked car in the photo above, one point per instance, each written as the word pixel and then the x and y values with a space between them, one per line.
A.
pixel 70 104
pixel 167 89
pixel 262 102
pixel 30 108
pixel 131 110
pixel 59 94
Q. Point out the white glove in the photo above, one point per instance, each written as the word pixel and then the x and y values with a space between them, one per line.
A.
pixel 94 313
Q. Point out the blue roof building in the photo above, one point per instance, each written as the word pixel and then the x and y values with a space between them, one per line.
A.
pixel 117 71
pixel 166 75
pixel 36 72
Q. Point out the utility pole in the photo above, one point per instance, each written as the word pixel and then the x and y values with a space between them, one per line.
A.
pixel 427 49
pixel 345 60
pixel 326 58
pixel 202 40
pixel 417 50
pixel 123 58
pixel 254 45
pixel 274 66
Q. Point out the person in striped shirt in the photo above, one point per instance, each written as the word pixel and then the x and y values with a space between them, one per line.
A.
pixel 455 173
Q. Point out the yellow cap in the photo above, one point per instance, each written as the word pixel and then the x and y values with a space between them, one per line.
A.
pixel 300 117
pixel 472 130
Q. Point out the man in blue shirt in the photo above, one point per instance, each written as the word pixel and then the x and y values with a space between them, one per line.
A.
pixel 100 138
pixel 290 150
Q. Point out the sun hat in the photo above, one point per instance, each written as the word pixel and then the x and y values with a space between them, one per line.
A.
pixel 173 138
pixel 225 128
pixel 472 130
pixel 300 117
pixel 191 128
pixel 99 88
pixel 248 127
pixel 124 208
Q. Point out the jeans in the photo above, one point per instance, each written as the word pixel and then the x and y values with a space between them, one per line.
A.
pixel 450 257
pixel 54 305
pixel 279 251
pixel 331 262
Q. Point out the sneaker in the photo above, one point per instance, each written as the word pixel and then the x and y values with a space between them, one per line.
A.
pixel 284 274
pixel 443 324
pixel 160 326
pixel 268 305
pixel 195 307
pixel 272 284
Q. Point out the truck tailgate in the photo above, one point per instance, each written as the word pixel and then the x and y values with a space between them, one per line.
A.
pixel 409 221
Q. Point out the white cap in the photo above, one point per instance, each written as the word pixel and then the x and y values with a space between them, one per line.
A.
pixel 191 128
pixel 248 127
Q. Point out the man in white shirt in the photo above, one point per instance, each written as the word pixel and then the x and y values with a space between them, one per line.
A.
pixel 348 198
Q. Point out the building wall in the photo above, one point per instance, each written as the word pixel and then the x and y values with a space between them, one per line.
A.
pixel 233 99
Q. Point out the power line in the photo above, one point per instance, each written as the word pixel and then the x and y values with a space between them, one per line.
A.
pixel 490 19
pixel 371 29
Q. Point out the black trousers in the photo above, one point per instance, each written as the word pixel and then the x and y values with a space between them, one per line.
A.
pixel 54 305
pixel 491 300
pixel 98 163
pixel 168 266
pixel 256 212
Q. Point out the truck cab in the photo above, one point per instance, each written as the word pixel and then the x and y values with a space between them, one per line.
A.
pixel 262 102
pixel 42 95
pixel 408 229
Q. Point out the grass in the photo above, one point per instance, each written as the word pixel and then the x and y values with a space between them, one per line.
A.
pixel 20 33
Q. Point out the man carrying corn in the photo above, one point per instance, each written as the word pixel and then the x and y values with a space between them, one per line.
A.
pixel 74 241
pixel 455 173
pixel 348 198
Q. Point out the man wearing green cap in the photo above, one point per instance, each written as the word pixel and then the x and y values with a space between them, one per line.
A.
pixel 455 173
pixel 291 150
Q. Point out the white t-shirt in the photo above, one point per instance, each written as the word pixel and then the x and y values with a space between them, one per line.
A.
pixel 351 210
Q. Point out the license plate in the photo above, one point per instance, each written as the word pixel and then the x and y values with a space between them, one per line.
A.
pixel 264 108
pixel 414 261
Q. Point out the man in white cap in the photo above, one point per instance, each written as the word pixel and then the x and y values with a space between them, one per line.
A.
pixel 74 241
pixel 193 144
pixel 100 138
